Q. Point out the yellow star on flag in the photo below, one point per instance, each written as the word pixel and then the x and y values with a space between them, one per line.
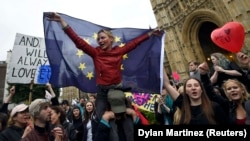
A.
pixel 121 45
pixel 82 66
pixel 79 53
pixel 95 36
pixel 117 39
pixel 89 75
pixel 125 56
pixel 122 68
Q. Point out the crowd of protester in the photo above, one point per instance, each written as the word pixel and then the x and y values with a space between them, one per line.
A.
pixel 211 95
pixel 49 120
pixel 200 100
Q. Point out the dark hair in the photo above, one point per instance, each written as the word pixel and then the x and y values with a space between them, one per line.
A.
pixel 75 107
pixel 3 120
pixel 93 95
pixel 65 102
pixel 82 98
pixel 87 115
pixel 80 113
pixel 194 62
pixel 60 110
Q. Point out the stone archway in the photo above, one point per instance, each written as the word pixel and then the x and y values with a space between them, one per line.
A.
pixel 196 29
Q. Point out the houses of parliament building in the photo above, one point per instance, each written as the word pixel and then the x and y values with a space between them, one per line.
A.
pixel 188 25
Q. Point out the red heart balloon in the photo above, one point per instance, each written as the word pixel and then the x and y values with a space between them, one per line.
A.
pixel 229 37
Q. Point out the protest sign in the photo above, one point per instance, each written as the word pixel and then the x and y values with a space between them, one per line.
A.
pixel 28 61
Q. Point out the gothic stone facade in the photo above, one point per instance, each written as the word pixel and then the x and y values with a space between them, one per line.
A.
pixel 188 25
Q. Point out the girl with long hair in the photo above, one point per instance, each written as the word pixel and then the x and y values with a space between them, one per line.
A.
pixel 195 106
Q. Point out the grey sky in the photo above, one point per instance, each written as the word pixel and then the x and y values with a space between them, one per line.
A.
pixel 25 16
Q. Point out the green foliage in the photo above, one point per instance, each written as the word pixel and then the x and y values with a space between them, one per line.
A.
pixel 23 91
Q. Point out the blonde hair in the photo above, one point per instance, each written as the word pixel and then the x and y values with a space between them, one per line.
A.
pixel 11 121
pixel 177 116
pixel 245 94
pixel 109 33
pixel 181 89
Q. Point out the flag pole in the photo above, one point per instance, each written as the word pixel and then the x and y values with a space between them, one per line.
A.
pixel 31 90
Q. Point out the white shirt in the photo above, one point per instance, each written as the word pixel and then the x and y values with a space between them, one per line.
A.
pixel 89 128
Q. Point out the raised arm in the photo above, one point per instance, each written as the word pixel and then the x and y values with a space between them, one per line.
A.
pixel 79 42
pixel 214 77
pixel 57 18
pixel 156 32
pixel 10 96
pixel 171 90
pixel 228 72
pixel 7 100
pixel 209 87
pixel 48 85
pixel 54 99
pixel 138 40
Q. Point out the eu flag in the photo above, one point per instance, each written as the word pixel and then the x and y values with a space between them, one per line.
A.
pixel 141 68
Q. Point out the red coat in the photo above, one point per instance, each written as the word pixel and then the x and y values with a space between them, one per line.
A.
pixel 107 63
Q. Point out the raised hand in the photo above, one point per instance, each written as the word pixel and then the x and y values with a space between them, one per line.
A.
pixel 27 130
pixel 54 17
pixel 203 67
pixel 12 90
pixel 156 32
pixel 10 96
pixel 108 115
pixel 218 68
pixel 57 18
pixel 58 133
pixel 131 112
pixel 49 87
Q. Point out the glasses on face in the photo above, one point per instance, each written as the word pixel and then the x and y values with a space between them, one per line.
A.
pixel 22 112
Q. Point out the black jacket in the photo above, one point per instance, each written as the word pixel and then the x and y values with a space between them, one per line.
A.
pixel 12 133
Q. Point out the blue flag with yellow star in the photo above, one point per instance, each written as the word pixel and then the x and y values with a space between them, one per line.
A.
pixel 141 68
